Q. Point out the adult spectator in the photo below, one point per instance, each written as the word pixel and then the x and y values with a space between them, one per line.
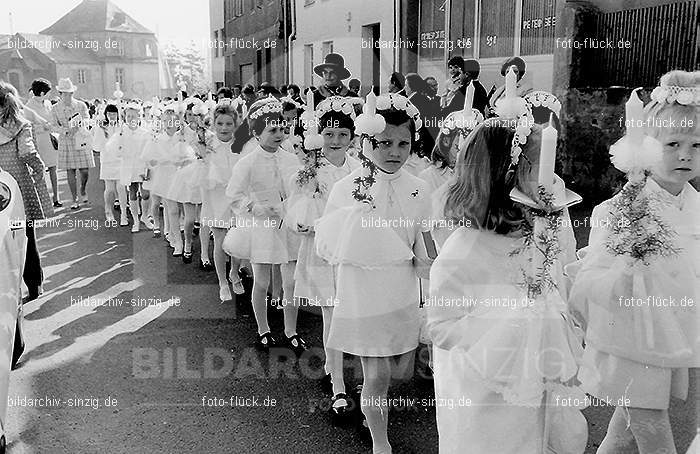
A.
pixel 432 92
pixel 416 90
pixel 523 85
pixel 470 74
pixel 18 156
pixel 38 112
pixel 354 86
pixel 294 93
pixel 433 87
pixel 223 93
pixel 455 69
pixel 74 150
pixel 396 84
pixel 333 72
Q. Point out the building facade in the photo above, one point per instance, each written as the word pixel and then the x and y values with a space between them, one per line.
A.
pixel 216 43
pixel 97 45
pixel 487 30
pixel 360 30
pixel 254 43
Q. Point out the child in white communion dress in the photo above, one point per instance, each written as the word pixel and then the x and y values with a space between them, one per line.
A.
pixel 314 277
pixel 640 273
pixel 258 192
pixel 371 230
pixel 503 360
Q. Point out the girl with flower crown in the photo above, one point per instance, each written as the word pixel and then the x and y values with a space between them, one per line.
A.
pixel 371 229
pixel 110 163
pixel 258 190
pixel 490 335
pixel 326 163
pixel 128 145
pixel 216 206
pixel 641 263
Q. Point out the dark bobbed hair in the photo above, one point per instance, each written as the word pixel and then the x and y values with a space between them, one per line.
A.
pixel 109 108
pixel 457 61
pixel 335 119
pixel 510 61
pixel 398 80
pixel 40 87
pixel 416 83
pixel 472 68
pixel 287 106
pixel 225 91
pixel 294 87
pixel 396 117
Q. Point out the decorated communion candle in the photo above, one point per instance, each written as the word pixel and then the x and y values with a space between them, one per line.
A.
pixel 371 102
pixel 511 81
pixel 469 98
pixel 634 118
pixel 548 151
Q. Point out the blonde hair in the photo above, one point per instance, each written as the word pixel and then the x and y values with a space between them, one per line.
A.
pixel 10 105
pixel 661 115
pixel 480 193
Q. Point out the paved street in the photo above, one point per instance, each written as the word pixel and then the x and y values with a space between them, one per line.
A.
pixel 161 377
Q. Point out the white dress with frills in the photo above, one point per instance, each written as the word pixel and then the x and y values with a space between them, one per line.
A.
pixel 261 178
pixel 377 291
pixel 216 206
pixel 314 277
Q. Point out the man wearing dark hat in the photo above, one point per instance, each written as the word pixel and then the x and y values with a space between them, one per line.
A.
pixel 333 72
pixel 523 85
pixel 470 70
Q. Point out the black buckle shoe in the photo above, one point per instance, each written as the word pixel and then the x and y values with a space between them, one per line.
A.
pixel 187 257
pixel 341 408
pixel 297 344
pixel 265 341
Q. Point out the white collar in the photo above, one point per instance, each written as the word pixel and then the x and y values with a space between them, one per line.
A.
pixel 679 201
pixel 383 176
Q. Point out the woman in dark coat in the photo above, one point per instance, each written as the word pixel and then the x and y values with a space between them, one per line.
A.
pixel 19 157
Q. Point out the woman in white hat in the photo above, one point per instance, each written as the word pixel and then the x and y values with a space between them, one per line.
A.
pixel 74 149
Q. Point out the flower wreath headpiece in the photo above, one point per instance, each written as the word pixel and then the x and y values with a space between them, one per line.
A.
pixel 668 94
pixel 288 99
pixel 170 107
pixel 135 106
pixel 312 118
pixel 371 124
pixel 544 99
pixel 516 109
pixel 338 104
pixel 199 107
pixel 459 121
pixel 269 105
